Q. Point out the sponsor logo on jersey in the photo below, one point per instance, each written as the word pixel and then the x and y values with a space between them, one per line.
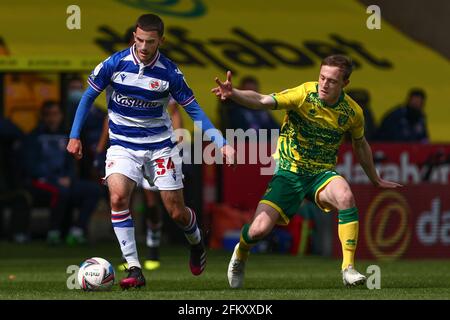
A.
pixel 127 101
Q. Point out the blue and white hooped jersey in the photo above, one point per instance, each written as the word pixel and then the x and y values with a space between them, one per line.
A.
pixel 137 106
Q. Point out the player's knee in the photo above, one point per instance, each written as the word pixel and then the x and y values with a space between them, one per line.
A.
pixel 179 215
pixel 345 199
pixel 118 200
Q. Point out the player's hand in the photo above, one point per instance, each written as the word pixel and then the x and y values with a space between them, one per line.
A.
pixel 75 148
pixel 387 184
pixel 229 154
pixel 224 89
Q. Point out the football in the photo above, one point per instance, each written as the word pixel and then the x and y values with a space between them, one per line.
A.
pixel 96 274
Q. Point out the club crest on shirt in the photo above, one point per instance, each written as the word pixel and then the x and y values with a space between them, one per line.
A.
pixel 154 84
pixel 342 120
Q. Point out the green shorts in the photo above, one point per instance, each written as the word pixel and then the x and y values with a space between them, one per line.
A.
pixel 287 190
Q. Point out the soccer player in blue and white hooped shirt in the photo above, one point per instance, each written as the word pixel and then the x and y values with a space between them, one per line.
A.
pixel 140 133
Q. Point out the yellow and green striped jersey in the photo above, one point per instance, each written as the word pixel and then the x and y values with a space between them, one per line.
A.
pixel 312 131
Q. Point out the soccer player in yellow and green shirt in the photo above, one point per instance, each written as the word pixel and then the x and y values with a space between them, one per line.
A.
pixel 318 114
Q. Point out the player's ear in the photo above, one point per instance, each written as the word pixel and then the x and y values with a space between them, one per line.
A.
pixel 161 41
pixel 346 82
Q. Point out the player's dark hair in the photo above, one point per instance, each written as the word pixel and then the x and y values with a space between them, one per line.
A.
pixel 150 22
pixel 343 62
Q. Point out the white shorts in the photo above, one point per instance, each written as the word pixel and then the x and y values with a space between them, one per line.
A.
pixel 160 169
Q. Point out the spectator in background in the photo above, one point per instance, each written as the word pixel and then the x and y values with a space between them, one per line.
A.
pixel 53 179
pixel 406 123
pixel 12 193
pixel 236 116
pixel 362 97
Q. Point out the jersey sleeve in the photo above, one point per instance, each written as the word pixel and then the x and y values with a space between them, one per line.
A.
pixel 290 98
pixel 357 128
pixel 100 77
pixel 179 89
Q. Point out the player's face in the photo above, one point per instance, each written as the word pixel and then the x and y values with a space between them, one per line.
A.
pixel 331 83
pixel 147 43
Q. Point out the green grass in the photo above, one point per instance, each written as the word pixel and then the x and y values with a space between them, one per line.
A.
pixel 39 272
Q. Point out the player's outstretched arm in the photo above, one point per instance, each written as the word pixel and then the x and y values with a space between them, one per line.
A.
pixel 364 154
pixel 248 98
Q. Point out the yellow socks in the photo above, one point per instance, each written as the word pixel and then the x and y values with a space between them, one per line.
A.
pixel 245 244
pixel 348 235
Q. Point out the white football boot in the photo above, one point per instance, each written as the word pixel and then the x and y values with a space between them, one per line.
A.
pixel 351 277
pixel 236 270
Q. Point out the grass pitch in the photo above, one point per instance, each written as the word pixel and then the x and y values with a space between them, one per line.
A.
pixel 36 271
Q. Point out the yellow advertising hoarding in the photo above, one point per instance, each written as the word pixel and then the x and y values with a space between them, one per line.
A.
pixel 281 43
